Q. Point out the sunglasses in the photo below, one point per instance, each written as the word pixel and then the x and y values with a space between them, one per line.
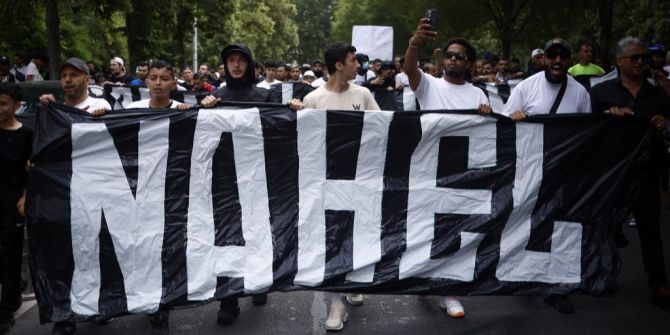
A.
pixel 636 57
pixel 551 54
pixel 457 55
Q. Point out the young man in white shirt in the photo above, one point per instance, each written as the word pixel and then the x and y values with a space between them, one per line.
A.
pixel 74 79
pixel 339 93
pixel 449 92
pixel 161 82
pixel 270 68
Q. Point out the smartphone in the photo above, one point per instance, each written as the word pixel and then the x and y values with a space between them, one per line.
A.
pixel 431 14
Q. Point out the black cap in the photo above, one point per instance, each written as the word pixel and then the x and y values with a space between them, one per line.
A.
pixel 557 42
pixel 238 47
pixel 317 61
pixel 77 64
pixel 386 65
pixel 4 60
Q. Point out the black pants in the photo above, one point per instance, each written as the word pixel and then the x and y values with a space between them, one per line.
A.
pixel 11 255
pixel 647 212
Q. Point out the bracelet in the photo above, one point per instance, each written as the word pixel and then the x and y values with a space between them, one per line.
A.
pixel 413 46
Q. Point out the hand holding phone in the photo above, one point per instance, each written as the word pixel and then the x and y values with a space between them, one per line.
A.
pixel 431 14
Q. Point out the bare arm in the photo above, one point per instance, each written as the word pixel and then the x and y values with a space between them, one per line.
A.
pixel 423 33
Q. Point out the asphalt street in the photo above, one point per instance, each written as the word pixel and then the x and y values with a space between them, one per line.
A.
pixel 628 312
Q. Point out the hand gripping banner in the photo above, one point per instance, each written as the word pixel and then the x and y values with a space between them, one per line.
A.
pixel 144 209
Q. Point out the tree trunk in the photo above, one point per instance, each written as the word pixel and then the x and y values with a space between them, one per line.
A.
pixel 53 37
pixel 605 13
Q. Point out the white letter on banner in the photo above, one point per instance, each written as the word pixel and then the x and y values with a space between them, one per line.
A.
pixel 98 185
pixel 205 261
pixel 425 199
pixel 318 194
pixel 563 263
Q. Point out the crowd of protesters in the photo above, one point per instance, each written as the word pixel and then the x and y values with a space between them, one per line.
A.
pixel 452 78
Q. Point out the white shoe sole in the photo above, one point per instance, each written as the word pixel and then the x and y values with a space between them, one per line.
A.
pixel 345 318
pixel 354 302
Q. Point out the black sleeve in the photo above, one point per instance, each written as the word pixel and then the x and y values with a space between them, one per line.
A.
pixel 597 105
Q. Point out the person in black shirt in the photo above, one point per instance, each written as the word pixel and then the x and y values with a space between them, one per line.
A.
pixel 15 148
pixel 631 94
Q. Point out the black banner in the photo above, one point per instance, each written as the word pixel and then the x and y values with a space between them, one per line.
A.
pixel 140 209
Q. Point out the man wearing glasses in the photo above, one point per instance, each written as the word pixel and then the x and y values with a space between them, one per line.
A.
pixel 450 92
pixel 549 92
pixel 631 94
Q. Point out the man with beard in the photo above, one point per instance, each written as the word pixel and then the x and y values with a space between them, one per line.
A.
pixel 317 68
pixel 536 62
pixel 74 79
pixel 142 71
pixel 450 92
pixel 383 87
pixel 631 94
pixel 549 92
pixel 281 73
pixel 539 92
pixel 117 71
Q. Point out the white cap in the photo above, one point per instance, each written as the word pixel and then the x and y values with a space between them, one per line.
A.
pixel 117 60
pixel 309 73
pixel 537 52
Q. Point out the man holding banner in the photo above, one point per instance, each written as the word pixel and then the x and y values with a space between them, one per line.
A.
pixel 338 93
pixel 530 98
pixel 451 92
pixel 630 94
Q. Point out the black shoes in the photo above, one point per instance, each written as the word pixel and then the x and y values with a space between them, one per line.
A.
pixel 560 303
pixel 64 328
pixel 259 299
pixel 6 323
pixel 228 311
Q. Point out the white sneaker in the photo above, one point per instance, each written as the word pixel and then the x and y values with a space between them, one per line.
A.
pixel 355 299
pixel 453 307
pixel 337 317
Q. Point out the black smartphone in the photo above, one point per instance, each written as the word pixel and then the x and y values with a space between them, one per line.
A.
pixel 431 14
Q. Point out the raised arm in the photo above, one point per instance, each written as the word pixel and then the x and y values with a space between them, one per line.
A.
pixel 423 33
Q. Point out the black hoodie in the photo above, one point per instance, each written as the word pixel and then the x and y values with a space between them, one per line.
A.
pixel 243 90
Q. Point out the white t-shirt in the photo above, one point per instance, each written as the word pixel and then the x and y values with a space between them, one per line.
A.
pixel 145 104
pixel 360 80
pixel 536 95
pixel 354 98
pixel 31 69
pixel 264 84
pixel 92 104
pixel 437 93
pixel 408 97
pixel 15 69
pixel 318 83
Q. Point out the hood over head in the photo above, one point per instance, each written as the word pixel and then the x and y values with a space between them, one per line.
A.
pixel 248 79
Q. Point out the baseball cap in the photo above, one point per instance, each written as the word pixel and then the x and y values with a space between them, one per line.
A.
pixel 236 47
pixel 386 65
pixel 4 60
pixel 557 42
pixel 117 60
pixel 309 73
pixel 77 64
pixel 537 52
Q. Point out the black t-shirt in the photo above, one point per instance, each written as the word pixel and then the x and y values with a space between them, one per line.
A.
pixel 15 148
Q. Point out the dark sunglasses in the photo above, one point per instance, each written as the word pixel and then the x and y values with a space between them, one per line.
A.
pixel 636 57
pixel 457 55
pixel 551 54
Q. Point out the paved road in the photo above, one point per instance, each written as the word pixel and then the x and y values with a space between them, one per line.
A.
pixel 629 312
